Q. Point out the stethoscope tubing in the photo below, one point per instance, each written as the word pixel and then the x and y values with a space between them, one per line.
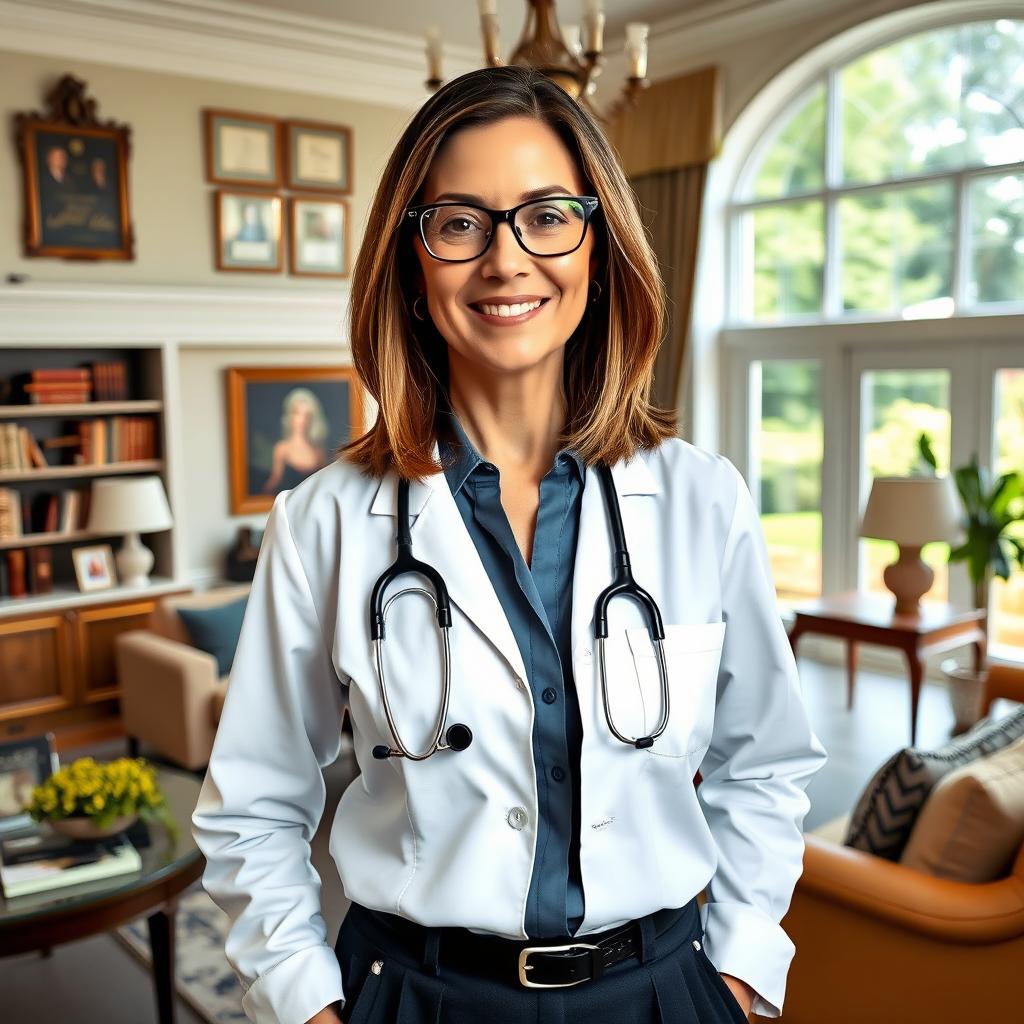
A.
pixel 458 735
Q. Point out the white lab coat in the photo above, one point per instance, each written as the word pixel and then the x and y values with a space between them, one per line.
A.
pixel 444 841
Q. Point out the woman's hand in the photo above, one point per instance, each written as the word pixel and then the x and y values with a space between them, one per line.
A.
pixel 328 1015
pixel 741 990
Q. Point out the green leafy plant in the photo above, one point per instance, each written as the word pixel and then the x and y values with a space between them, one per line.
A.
pixel 990 509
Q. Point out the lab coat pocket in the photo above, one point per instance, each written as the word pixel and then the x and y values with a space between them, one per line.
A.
pixel 693 651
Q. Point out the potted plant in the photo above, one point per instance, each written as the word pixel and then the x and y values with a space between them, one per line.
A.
pixel 88 800
pixel 989 510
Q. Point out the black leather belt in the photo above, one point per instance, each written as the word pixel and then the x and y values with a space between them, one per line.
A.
pixel 531 963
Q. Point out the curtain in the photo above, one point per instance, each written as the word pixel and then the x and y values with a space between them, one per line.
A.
pixel 665 143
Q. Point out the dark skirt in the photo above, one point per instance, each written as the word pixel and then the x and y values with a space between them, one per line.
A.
pixel 671 982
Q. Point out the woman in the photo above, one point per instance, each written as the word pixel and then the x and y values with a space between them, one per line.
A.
pixel 506 312
pixel 300 451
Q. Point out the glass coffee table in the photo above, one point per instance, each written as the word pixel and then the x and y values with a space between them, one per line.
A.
pixel 45 919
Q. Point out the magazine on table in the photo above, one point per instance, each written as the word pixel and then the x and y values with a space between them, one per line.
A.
pixel 40 859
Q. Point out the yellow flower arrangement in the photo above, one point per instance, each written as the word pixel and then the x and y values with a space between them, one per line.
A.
pixel 102 792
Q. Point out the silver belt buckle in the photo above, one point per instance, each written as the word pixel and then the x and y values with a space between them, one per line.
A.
pixel 524 966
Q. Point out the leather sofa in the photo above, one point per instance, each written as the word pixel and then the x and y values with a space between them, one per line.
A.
pixel 878 941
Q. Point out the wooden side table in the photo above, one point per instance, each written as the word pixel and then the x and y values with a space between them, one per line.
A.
pixel 860 617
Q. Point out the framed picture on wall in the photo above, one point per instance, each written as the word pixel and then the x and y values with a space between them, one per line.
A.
pixel 284 423
pixel 75 174
pixel 241 148
pixel 94 567
pixel 318 156
pixel 318 236
pixel 248 227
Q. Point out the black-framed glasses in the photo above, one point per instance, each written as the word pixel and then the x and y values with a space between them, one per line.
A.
pixel 458 232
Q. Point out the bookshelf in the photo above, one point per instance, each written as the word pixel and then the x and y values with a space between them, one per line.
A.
pixel 51 451
pixel 57 642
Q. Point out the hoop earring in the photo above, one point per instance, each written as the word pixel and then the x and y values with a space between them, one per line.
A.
pixel 598 295
pixel 414 313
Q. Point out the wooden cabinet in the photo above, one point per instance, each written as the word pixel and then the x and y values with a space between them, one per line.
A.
pixel 57 667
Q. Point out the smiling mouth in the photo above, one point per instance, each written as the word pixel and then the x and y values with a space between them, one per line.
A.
pixel 505 311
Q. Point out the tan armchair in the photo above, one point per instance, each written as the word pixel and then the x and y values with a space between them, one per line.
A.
pixel 171 695
pixel 878 941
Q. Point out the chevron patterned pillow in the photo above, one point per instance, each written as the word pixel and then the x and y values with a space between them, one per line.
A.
pixel 888 807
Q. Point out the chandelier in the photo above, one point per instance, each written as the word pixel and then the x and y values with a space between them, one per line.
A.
pixel 569 55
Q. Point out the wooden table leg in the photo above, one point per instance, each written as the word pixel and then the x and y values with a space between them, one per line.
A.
pixel 161 943
pixel 851 671
pixel 916 676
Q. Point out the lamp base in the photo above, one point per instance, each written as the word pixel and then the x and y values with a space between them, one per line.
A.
pixel 909 578
pixel 134 562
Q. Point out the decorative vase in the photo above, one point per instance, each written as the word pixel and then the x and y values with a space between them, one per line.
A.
pixel 81 826
pixel 965 687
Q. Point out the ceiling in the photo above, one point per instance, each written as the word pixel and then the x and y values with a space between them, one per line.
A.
pixel 459 20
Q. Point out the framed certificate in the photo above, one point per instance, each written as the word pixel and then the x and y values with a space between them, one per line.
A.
pixel 318 156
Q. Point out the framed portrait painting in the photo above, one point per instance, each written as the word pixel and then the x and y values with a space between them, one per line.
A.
pixel 241 148
pixel 248 227
pixel 318 156
pixel 75 175
pixel 318 236
pixel 284 423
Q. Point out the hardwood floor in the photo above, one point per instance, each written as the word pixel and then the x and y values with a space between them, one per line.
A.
pixel 96 981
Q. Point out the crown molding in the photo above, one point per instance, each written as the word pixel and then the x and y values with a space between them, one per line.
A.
pixel 230 41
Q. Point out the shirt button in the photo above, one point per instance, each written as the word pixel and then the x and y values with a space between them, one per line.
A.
pixel 550 695
pixel 558 773
pixel 517 817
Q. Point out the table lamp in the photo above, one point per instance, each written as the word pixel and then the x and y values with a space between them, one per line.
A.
pixel 912 511
pixel 130 505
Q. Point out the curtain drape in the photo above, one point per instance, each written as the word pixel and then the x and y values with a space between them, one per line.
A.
pixel 665 143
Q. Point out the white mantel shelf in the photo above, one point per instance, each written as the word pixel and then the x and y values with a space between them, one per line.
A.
pixel 90 314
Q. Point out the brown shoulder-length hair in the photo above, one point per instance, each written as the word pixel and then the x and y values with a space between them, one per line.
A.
pixel 609 359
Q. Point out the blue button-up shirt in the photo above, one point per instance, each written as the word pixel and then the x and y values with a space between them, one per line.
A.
pixel 537 600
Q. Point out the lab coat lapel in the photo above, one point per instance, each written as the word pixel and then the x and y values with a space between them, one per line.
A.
pixel 440 537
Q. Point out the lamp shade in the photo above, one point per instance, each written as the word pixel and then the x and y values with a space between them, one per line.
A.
pixel 912 510
pixel 129 504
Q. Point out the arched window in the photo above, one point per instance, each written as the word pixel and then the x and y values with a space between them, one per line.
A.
pixel 895 187
pixel 875 291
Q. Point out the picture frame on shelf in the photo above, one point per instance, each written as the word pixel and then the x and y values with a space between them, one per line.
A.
pixel 24 764
pixel 248 230
pixel 242 148
pixel 318 156
pixel 75 179
pixel 284 423
pixel 94 567
pixel 318 236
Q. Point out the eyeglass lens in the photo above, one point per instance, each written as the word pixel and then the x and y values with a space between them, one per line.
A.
pixel 548 227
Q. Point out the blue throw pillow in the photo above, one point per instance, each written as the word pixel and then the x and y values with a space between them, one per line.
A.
pixel 215 630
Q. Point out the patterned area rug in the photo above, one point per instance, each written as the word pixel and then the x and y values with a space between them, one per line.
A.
pixel 203 977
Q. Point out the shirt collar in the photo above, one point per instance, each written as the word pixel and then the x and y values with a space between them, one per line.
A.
pixel 466 457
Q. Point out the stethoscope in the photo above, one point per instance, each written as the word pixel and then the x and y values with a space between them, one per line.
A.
pixel 459 736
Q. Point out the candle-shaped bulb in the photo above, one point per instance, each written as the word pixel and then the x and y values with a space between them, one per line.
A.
pixel 571 35
pixel 488 7
pixel 434 52
pixel 636 48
